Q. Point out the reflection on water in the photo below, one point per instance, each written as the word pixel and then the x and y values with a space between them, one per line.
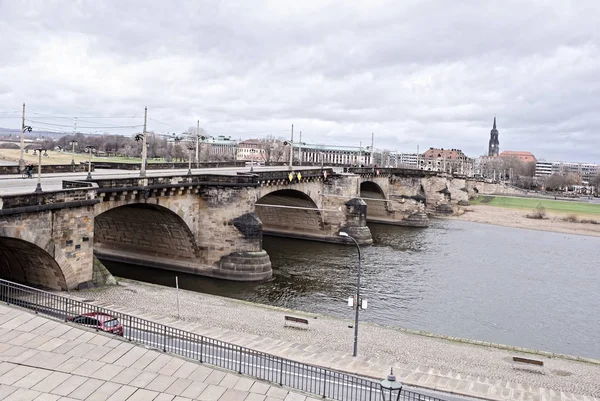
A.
pixel 527 288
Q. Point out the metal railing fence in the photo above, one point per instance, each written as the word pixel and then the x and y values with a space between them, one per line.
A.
pixel 320 381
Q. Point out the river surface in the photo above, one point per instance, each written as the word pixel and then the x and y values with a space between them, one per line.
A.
pixel 526 288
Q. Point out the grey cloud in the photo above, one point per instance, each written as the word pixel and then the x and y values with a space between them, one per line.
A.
pixel 427 73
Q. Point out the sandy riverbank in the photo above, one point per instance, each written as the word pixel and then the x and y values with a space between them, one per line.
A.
pixel 332 335
pixel 517 218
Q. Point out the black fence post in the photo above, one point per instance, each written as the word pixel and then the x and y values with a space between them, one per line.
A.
pixel 201 346
pixel 281 372
pixel 165 338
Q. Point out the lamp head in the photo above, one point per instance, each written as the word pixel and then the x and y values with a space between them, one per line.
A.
pixel 343 234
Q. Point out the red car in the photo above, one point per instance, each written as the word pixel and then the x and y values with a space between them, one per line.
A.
pixel 100 321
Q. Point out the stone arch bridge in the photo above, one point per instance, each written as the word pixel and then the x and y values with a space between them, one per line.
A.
pixel 209 225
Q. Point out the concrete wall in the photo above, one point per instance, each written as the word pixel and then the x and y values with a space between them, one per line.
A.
pixel 48 168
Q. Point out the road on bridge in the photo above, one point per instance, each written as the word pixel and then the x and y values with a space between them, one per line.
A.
pixel 15 184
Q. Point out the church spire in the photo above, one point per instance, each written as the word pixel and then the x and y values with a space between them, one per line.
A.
pixel 494 146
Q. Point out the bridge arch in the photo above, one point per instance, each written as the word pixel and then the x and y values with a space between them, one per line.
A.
pixel 290 211
pixel 25 262
pixel 371 193
pixel 148 234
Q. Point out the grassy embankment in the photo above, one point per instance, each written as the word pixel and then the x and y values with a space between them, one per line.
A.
pixel 551 206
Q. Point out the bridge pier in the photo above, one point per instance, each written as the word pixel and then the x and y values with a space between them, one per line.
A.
pixel 316 209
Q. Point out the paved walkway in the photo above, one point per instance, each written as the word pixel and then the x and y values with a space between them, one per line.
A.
pixel 476 371
pixel 46 360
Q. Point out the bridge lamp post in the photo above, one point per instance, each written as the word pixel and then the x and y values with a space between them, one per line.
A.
pixel 390 388
pixel 73 143
pixel 252 151
pixel 21 158
pixel 89 149
pixel 358 300
pixel 190 148
pixel 38 187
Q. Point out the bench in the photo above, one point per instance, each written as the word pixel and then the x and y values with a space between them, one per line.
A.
pixel 301 321
pixel 527 364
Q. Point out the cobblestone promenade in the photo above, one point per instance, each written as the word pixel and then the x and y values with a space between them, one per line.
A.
pixel 47 360
pixel 418 360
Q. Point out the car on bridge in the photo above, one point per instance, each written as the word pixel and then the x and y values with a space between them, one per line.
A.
pixel 100 321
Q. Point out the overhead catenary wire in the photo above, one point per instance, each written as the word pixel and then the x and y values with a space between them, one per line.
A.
pixel 88 127
pixel 43 115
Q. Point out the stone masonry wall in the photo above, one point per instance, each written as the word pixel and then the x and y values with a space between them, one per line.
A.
pixel 147 229
pixel 54 247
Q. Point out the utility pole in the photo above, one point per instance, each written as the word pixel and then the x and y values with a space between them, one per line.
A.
pixel 300 150
pixel 372 150
pixel 197 140
pixel 291 148
pixel 21 158
pixel 360 155
pixel 144 148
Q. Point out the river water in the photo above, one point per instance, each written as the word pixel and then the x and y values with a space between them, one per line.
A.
pixel 526 288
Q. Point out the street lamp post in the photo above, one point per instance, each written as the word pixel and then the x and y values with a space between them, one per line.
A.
pixel 89 149
pixel 390 388
pixel 38 187
pixel 358 300
pixel 21 158
pixel 190 148
pixel 73 143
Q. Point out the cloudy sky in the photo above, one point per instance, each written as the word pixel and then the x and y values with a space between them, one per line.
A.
pixel 414 72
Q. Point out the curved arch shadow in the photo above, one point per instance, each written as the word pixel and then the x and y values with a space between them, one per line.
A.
pixel 369 191
pixel 144 233
pixel 27 263
pixel 291 211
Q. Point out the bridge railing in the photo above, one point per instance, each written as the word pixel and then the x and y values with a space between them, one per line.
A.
pixel 46 198
pixel 406 171
pixel 175 181
pixel 313 379
pixel 284 174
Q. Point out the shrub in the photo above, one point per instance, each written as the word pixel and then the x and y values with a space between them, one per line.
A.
pixel 9 146
pixel 571 218
pixel 538 213
pixel 589 221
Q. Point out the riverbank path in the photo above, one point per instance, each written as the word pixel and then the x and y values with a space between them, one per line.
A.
pixel 447 365
pixel 44 359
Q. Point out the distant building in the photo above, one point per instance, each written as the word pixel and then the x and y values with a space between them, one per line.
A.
pixel 397 159
pixel 332 155
pixel 250 150
pixel 494 145
pixel 526 157
pixel 587 171
pixel 220 146
pixel 543 168
pixel 448 160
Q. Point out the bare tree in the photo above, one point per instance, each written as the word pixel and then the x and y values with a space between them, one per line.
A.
pixel 555 182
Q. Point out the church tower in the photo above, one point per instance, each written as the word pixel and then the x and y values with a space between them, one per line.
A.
pixel 494 148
